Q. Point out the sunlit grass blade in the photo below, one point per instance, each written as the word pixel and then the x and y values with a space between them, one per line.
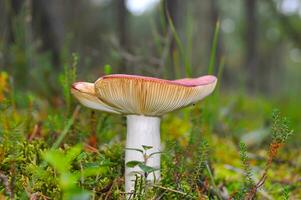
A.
pixel 70 122
pixel 214 47
pixel 219 76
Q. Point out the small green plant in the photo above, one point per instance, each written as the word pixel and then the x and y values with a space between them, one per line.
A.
pixel 285 193
pixel 202 158
pixel 147 170
pixel 280 128
pixel 67 179
pixel 67 78
pixel 248 176
pixel 280 132
pixel 141 183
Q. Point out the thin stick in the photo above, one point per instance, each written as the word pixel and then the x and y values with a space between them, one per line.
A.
pixel 7 185
pixel 171 190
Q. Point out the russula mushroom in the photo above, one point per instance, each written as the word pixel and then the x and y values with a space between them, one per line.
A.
pixel 143 100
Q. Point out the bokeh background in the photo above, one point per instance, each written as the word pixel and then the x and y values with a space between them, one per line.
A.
pixel 257 51
pixel 213 147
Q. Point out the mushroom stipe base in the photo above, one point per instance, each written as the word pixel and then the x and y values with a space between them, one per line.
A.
pixel 142 130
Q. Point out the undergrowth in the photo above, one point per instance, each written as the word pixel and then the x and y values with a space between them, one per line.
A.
pixel 51 157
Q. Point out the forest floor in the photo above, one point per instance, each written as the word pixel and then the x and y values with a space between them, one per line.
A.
pixel 228 146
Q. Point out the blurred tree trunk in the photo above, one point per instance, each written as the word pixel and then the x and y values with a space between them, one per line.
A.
pixel 48 24
pixel 13 10
pixel 9 10
pixel 251 56
pixel 122 28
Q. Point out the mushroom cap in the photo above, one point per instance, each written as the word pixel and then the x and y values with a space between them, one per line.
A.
pixel 85 93
pixel 140 95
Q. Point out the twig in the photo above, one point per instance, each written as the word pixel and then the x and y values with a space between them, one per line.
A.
pixel 273 151
pixel 240 171
pixel 6 184
pixel 36 131
pixel 171 190
pixel 109 187
pixel 160 197
pixel 36 195
pixel 275 160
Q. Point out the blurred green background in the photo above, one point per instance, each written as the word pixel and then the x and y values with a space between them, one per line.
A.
pixel 254 46
pixel 259 40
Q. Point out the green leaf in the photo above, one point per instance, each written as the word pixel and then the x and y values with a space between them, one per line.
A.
pixel 145 147
pixel 57 159
pixel 134 149
pixel 133 163
pixel 68 181
pixel 150 155
pixel 93 171
pixel 77 194
pixel 146 168
pixel 73 152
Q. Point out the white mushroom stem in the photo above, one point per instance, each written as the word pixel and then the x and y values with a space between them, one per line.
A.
pixel 142 130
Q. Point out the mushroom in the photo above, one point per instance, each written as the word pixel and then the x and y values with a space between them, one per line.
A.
pixel 143 100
